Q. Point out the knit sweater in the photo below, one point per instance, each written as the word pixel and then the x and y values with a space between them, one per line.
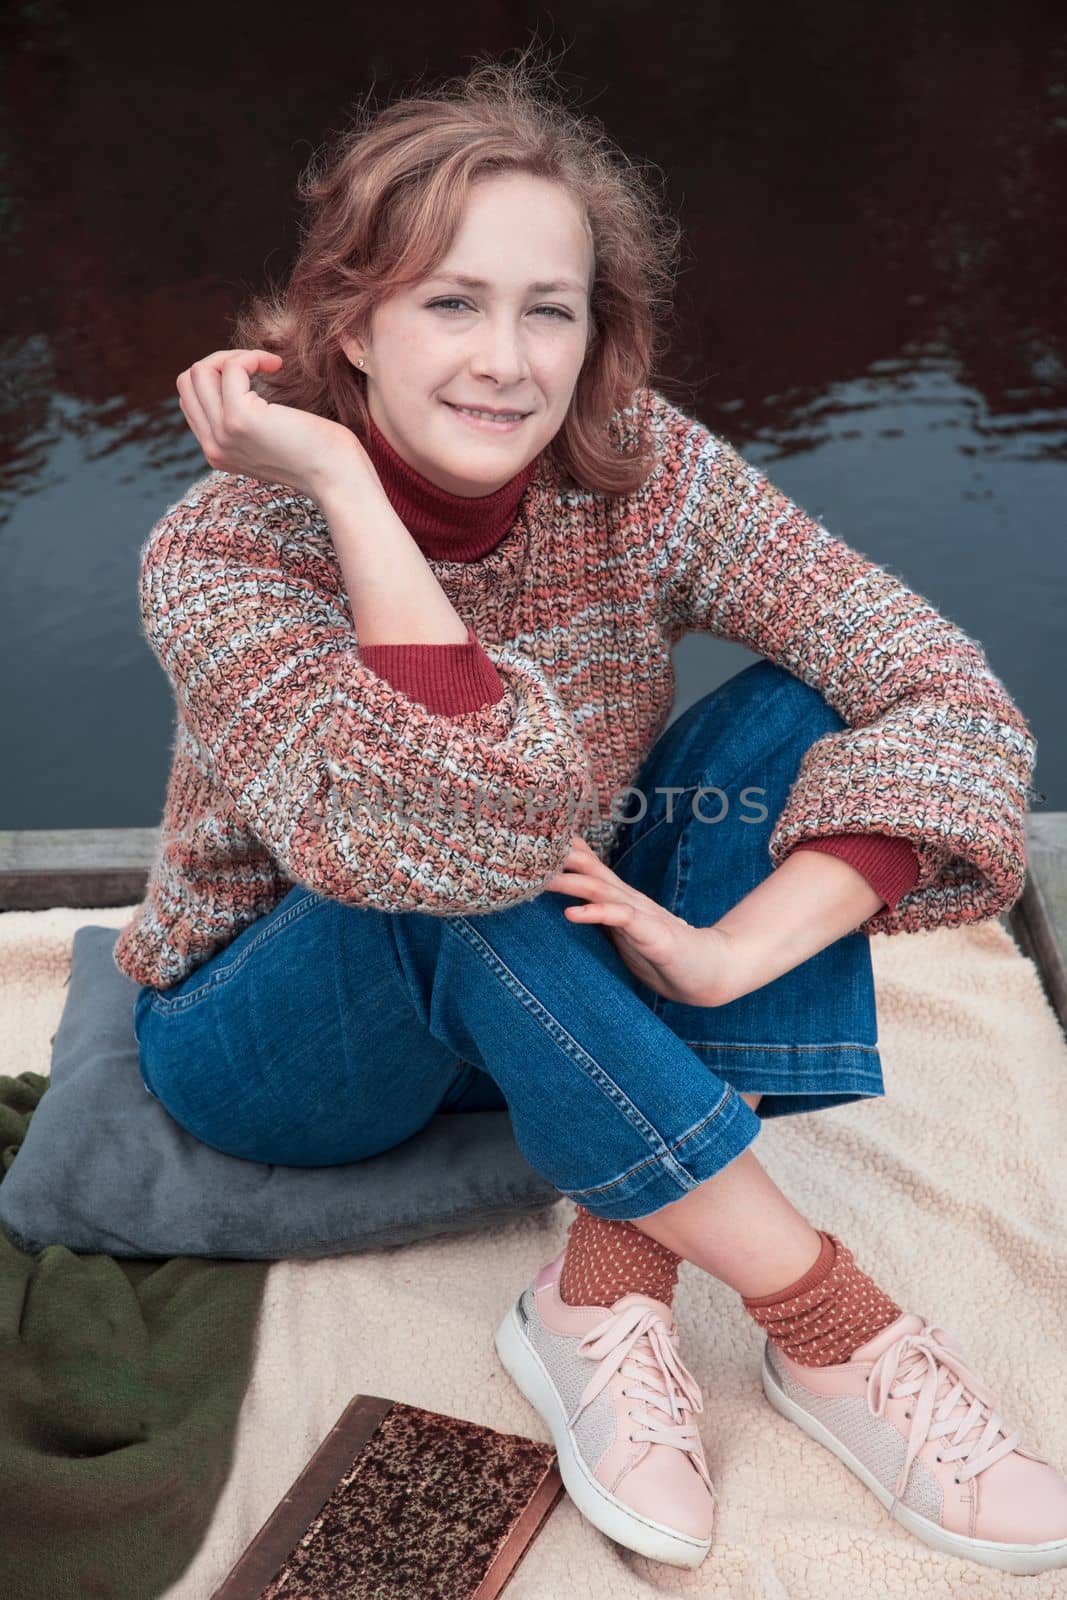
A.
pixel 452 678
pixel 294 761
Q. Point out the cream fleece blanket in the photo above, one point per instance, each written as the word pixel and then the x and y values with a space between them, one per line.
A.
pixel 952 1191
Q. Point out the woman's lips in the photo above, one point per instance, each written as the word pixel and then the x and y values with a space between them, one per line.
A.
pixel 484 422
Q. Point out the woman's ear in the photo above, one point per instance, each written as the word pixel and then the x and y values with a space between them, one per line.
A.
pixel 355 350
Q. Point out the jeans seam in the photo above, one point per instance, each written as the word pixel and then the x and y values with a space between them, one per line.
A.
pixel 184 1002
pixel 727 1044
pixel 566 1043
pixel 600 1188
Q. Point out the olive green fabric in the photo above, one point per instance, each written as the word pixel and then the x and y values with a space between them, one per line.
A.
pixel 121 1383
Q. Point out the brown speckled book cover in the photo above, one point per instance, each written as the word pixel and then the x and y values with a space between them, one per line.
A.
pixel 398 1503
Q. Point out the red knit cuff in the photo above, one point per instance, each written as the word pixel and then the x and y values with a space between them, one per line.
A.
pixel 447 679
pixel 889 863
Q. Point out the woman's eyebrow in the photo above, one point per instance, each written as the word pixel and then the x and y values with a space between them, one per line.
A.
pixel 482 283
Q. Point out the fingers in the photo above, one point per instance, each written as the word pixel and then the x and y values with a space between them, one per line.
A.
pixel 613 912
pixel 587 857
pixel 247 360
pixel 195 415
pixel 584 859
pixel 584 872
pixel 207 378
pixel 600 889
pixel 201 403
pixel 211 391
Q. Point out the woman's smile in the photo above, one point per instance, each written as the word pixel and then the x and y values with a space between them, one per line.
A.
pixel 492 424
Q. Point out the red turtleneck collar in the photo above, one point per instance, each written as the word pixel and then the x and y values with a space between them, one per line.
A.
pixel 445 526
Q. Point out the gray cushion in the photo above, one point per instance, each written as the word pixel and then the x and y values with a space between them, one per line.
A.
pixel 105 1169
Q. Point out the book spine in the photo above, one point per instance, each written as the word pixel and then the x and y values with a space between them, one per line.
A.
pixel 289 1520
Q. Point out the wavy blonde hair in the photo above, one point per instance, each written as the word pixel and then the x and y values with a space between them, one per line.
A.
pixel 385 198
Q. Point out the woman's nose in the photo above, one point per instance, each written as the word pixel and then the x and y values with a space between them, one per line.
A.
pixel 500 353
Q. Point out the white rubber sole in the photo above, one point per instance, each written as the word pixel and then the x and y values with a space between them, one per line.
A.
pixel 1024 1559
pixel 618 1521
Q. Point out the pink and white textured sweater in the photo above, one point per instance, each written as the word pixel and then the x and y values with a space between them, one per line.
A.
pixel 296 760
pixel 452 678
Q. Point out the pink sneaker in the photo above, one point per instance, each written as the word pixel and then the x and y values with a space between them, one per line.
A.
pixel 610 1385
pixel 917 1425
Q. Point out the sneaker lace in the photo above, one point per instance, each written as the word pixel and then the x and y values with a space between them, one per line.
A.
pixel 636 1342
pixel 952 1400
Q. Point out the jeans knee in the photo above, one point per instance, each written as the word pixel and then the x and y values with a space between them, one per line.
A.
pixel 775 718
pixel 804 705
pixel 536 923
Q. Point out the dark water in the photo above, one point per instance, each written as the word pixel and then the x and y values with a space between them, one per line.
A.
pixel 871 307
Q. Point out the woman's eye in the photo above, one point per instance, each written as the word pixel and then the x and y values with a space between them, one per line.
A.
pixel 453 300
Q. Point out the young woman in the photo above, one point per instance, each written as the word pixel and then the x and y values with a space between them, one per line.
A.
pixel 428 842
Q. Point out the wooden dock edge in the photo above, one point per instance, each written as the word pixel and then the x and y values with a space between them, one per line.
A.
pixel 1038 919
pixel 100 867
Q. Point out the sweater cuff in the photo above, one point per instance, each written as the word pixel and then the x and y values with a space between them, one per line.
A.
pixel 889 863
pixel 448 679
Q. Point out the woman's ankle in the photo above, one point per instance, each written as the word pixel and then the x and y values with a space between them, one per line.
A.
pixel 828 1312
pixel 739 1226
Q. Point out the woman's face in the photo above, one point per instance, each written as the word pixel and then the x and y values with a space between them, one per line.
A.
pixel 507 346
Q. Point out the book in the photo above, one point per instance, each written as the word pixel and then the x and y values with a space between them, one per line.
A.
pixel 400 1503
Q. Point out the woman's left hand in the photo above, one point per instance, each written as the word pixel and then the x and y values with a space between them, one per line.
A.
pixel 667 953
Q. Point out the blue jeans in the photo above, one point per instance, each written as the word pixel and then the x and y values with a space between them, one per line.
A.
pixel 326 1033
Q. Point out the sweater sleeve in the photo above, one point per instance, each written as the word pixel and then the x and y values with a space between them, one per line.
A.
pixel 934 749
pixel 446 678
pixel 890 866
pixel 356 789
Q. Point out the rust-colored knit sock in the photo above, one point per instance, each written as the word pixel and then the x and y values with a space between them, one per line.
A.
pixel 826 1314
pixel 606 1259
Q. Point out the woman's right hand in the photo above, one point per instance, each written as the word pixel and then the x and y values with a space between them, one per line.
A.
pixel 239 431
pixel 668 954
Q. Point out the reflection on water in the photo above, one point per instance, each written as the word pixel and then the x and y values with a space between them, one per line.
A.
pixel 871 308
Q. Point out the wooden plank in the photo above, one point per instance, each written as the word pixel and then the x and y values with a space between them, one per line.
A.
pixel 1039 917
pixel 84 867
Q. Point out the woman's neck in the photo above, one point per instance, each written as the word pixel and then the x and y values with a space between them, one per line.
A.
pixel 445 526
